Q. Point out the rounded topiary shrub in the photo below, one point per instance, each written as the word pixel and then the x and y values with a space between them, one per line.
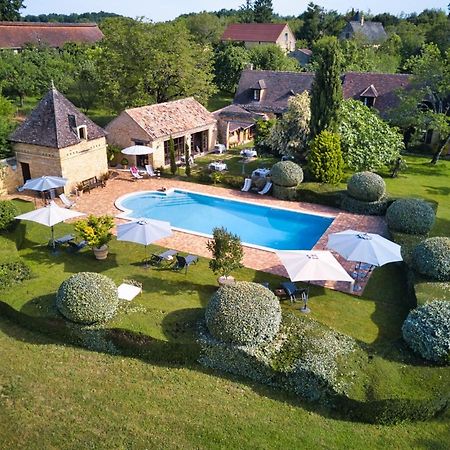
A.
pixel 366 186
pixel 411 216
pixel 427 331
pixel 432 258
pixel 87 297
pixel 377 208
pixel 7 213
pixel 286 173
pixel 243 314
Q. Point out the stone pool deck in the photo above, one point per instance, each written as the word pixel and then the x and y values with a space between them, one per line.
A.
pixel 101 201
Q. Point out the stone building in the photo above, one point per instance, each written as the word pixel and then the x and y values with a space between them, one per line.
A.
pixel 57 139
pixel 186 121
pixel 371 32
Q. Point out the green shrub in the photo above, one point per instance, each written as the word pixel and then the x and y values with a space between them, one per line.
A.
pixel 284 192
pixel 323 194
pixel 233 181
pixel 7 213
pixel 410 215
pixel 13 273
pixel 87 297
pixel 325 161
pixel 432 258
pixel 376 208
pixel 286 173
pixel 243 314
pixel 427 331
pixel 366 186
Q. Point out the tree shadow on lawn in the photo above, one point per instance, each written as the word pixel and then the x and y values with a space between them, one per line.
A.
pixel 435 190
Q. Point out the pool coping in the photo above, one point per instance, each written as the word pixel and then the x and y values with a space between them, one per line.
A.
pixel 125 213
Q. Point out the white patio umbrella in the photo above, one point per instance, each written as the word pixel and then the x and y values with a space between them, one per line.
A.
pixel 137 150
pixel 45 183
pixel 143 231
pixel 364 247
pixel 49 216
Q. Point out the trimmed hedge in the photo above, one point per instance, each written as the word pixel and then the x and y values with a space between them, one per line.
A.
pixel 366 186
pixel 286 173
pixel 427 331
pixel 7 213
pixel 376 208
pixel 410 215
pixel 87 298
pixel 243 314
pixel 284 192
pixel 432 258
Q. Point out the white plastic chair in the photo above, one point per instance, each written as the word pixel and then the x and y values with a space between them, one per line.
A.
pixel 247 185
pixel 266 188
pixel 66 201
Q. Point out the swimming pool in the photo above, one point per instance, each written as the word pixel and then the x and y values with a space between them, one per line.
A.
pixel 259 226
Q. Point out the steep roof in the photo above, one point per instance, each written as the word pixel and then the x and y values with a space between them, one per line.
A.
pixel 53 123
pixel 383 86
pixel 279 86
pixel 253 32
pixel 302 55
pixel 373 31
pixel 165 119
pixel 237 113
pixel 16 34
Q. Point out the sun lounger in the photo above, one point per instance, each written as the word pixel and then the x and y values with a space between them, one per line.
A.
pixel 247 185
pixel 183 262
pixel 66 201
pixel 266 188
pixel 128 291
pixel 167 256
pixel 150 171
pixel 135 172
pixel 74 247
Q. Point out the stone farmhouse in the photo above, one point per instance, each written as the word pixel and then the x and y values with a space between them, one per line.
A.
pixel 15 35
pixel 57 139
pixel 253 34
pixel 372 32
pixel 189 123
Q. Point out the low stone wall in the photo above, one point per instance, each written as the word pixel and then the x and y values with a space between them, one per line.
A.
pixel 10 176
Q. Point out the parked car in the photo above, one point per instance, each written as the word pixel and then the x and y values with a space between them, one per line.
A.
pixel 219 148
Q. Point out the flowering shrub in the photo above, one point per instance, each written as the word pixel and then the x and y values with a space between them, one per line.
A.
pixel 286 173
pixel 87 298
pixel 427 331
pixel 95 230
pixel 410 215
pixel 243 314
pixel 432 258
pixel 366 186
pixel 7 213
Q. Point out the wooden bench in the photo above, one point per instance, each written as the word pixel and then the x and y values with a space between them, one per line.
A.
pixel 91 183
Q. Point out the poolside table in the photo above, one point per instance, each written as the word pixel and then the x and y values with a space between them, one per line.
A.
pixel 249 153
pixel 218 166
pixel 261 173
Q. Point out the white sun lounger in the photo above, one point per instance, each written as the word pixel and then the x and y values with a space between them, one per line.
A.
pixel 134 171
pixel 67 202
pixel 150 171
pixel 128 291
pixel 266 188
pixel 247 185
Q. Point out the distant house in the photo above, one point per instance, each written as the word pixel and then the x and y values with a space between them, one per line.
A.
pixel 268 92
pixel 302 55
pixel 236 125
pixel 186 121
pixel 373 32
pixel 58 139
pixel 15 35
pixel 253 34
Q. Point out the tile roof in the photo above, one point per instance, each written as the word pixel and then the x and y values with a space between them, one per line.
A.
pixel 279 87
pixel 16 34
pixel 253 32
pixel 302 55
pixel 165 119
pixel 53 124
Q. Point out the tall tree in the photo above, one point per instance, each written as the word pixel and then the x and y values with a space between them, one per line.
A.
pixel 206 28
pixel 230 60
pixel 173 163
pixel 246 14
pixel 9 9
pixel 326 90
pixel 263 11
pixel 6 126
pixel 271 57
pixel 311 29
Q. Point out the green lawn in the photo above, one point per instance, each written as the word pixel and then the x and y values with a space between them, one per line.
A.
pixel 219 100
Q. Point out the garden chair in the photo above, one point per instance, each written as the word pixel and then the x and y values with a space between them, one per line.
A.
pixel 167 256
pixel 149 170
pixel 183 262
pixel 247 185
pixel 76 247
pixel 66 201
pixel 266 188
pixel 294 292
pixel 135 172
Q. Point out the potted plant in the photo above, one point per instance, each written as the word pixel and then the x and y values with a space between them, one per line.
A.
pixel 96 231
pixel 111 152
pixel 227 254
pixel 124 163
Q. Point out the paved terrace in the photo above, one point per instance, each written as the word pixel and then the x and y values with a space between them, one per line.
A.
pixel 101 201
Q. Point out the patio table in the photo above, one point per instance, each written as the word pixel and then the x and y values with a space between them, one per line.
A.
pixel 64 239
pixel 218 166
pixel 249 153
pixel 261 173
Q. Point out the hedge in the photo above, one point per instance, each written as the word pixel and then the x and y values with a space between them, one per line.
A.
pixel 410 215
pixel 366 186
pixel 376 208
pixel 286 173
pixel 7 213
pixel 432 258
pixel 13 272
pixel 322 194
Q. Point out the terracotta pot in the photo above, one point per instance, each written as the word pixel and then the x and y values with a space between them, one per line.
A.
pixel 226 281
pixel 101 252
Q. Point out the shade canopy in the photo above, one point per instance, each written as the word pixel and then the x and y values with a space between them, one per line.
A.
pixel 45 183
pixel 50 215
pixel 364 247
pixel 137 150
pixel 312 265
pixel 143 231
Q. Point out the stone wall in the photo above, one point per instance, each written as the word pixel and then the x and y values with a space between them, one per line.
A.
pixel 10 176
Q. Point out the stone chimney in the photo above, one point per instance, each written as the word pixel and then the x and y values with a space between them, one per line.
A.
pixel 362 19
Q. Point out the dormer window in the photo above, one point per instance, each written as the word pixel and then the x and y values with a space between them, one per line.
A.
pixel 257 94
pixel 258 90
pixel 368 101
pixel 369 95
pixel 82 132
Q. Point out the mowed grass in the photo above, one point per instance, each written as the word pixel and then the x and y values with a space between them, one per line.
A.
pixel 57 396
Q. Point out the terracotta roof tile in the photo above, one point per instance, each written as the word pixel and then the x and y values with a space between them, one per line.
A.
pixel 17 34
pixel 253 32
pixel 165 119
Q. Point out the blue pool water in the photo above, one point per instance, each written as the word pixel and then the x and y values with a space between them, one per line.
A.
pixel 258 225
